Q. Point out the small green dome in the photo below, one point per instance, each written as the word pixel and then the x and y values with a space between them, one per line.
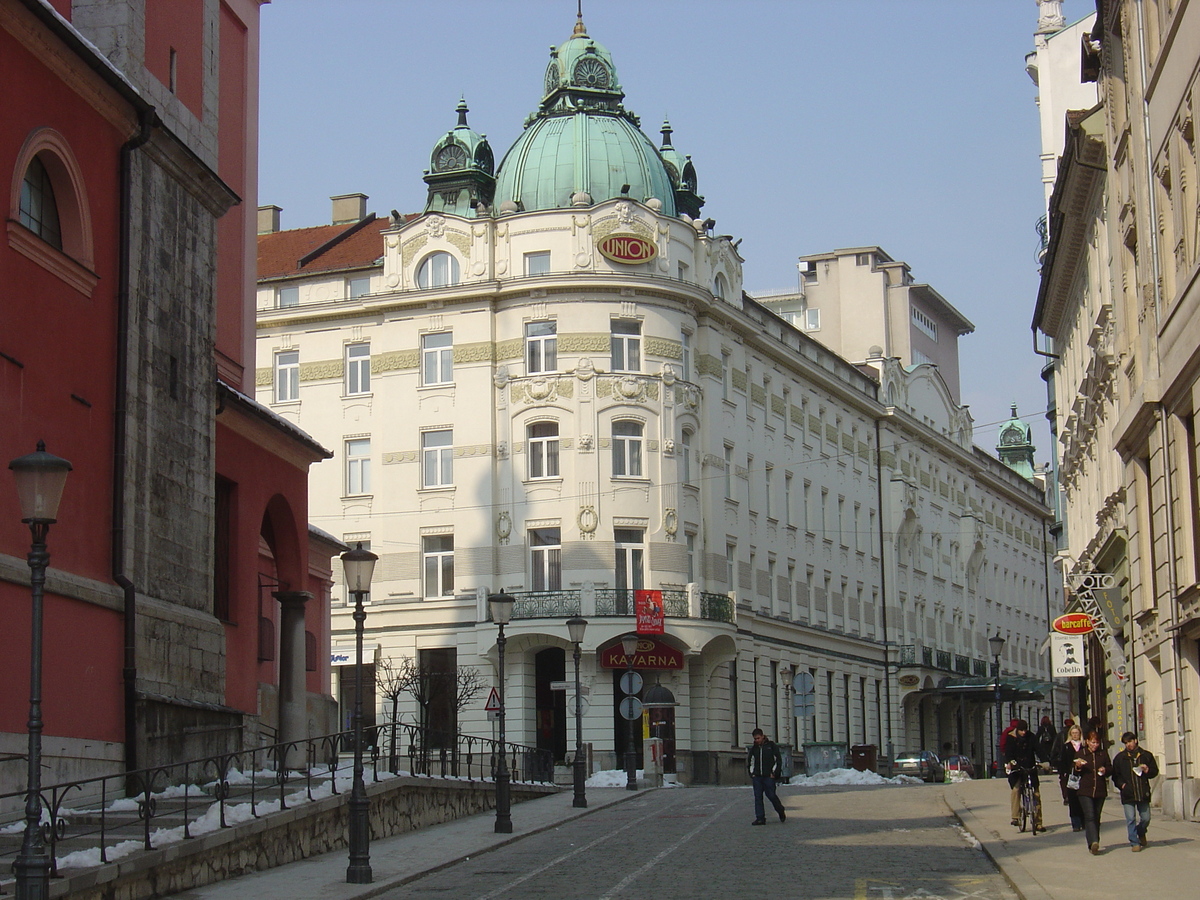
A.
pixel 581 140
pixel 461 169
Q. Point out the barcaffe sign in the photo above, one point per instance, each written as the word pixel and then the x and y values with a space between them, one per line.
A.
pixel 1073 623
pixel 628 249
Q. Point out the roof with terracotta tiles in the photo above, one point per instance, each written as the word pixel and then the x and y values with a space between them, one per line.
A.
pixel 322 248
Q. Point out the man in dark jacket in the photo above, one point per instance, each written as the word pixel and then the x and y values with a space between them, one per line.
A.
pixel 764 765
pixel 1020 761
pixel 1132 770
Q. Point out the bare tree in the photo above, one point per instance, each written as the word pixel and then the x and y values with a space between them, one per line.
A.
pixel 431 689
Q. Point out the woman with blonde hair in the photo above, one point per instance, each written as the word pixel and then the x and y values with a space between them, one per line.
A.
pixel 1065 763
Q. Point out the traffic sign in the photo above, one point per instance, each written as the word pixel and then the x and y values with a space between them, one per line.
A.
pixel 803 683
pixel 803 706
pixel 631 708
pixel 584 704
pixel 493 701
pixel 631 682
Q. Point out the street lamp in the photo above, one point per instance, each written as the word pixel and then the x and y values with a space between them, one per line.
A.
pixel 359 566
pixel 501 606
pixel 575 628
pixel 629 644
pixel 997 644
pixel 40 478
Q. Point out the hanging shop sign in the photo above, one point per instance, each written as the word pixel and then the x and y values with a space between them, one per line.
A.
pixel 629 249
pixel 1066 655
pixel 651 654
pixel 648 606
pixel 1073 623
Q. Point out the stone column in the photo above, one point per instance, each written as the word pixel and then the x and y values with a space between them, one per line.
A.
pixel 293 712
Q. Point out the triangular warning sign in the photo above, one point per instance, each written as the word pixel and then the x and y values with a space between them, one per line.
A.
pixel 493 701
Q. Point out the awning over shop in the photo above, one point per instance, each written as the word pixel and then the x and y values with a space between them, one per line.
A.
pixel 984 689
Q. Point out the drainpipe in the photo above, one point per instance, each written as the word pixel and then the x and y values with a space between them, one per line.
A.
pixel 1049 616
pixel 887 675
pixel 147 121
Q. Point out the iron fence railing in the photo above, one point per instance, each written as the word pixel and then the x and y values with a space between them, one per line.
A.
pixel 945 660
pixel 616 602
pixel 179 801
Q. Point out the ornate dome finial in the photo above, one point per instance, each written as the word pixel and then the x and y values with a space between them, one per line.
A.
pixel 462 111
pixel 667 131
pixel 580 28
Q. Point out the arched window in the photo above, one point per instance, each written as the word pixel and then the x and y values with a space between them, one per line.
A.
pixel 720 286
pixel 49 218
pixel 39 210
pixel 437 270
pixel 627 448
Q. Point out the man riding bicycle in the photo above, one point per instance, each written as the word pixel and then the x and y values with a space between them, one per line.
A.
pixel 1020 762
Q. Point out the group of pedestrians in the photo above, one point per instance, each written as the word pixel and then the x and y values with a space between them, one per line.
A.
pixel 1085 768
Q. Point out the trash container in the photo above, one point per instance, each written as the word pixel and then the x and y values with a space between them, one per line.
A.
pixel 864 757
pixel 824 756
pixel 785 756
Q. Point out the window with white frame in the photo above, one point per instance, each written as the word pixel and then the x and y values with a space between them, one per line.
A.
pixel 541 347
pixel 731 566
pixel 437 564
pixel 537 263
pixel 437 458
pixel 725 375
pixel 542 449
pixel 358 286
pixel 627 448
pixel 685 338
pixel 812 319
pixel 437 270
pixel 358 368
pixel 769 482
pixel 630 558
pixel 924 324
pixel 690 542
pixel 437 358
pixel 358 466
pixel 287 376
pixel 685 456
pixel 288 296
pixel 626 345
pixel 729 471
pixel 720 286
pixel 787 498
pixel 545 559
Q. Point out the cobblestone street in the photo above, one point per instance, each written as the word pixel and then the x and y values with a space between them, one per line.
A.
pixel 868 843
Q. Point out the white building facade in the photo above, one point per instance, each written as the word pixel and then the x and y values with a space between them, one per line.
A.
pixel 554 387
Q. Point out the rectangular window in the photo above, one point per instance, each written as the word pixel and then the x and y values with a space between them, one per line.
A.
pixel 541 347
pixel 731 565
pixel 437 358
pixel 437 553
pixel 358 466
pixel 545 558
pixel 626 346
pixel 685 457
pixel 787 498
pixel 924 324
pixel 690 541
pixel 728 471
pixel 288 296
pixel 543 450
pixel 812 320
pixel 358 287
pixel 627 449
pixel 725 376
pixel 686 363
pixel 769 479
pixel 223 519
pixel 358 368
pixel 287 376
pixel 630 561
pixel 437 458
pixel 537 263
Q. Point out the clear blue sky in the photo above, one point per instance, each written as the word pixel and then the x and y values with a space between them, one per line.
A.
pixel 907 124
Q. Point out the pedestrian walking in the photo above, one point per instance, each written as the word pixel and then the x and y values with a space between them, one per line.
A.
pixel 764 765
pixel 1131 773
pixel 1020 762
pixel 1093 767
pixel 1071 748
pixel 1056 753
pixel 1046 738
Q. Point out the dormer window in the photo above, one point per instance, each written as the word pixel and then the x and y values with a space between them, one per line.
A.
pixel 437 270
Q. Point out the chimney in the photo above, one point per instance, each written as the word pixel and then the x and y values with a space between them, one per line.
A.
pixel 268 219
pixel 349 208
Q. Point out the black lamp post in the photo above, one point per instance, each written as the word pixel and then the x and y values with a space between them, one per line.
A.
pixel 629 644
pixel 359 566
pixel 40 478
pixel 501 606
pixel 575 629
pixel 997 644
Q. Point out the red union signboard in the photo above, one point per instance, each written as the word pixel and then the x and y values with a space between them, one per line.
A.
pixel 649 608
pixel 1073 623
pixel 627 248
pixel 651 654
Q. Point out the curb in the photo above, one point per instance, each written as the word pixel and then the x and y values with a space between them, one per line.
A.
pixel 997 850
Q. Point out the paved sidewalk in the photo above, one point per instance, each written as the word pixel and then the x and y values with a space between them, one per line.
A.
pixel 1056 865
pixel 397 860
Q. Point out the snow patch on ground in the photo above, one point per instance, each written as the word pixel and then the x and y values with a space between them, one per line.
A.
pixel 968 837
pixel 849 777
pixel 611 778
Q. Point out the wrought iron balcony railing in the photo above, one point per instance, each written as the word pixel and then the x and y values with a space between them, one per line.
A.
pixel 944 660
pixel 616 602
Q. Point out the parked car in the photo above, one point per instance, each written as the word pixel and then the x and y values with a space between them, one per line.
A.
pixel 959 766
pixel 923 764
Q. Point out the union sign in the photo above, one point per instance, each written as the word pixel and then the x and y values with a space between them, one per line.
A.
pixel 627 248
pixel 1073 623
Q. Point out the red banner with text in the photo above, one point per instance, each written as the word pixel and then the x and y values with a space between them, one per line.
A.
pixel 649 608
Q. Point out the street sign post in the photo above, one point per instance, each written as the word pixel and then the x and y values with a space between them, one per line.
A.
pixel 631 708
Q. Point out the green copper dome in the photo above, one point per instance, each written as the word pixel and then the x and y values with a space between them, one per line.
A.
pixel 461 170
pixel 581 140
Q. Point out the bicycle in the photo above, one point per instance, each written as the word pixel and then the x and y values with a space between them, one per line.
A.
pixel 1031 804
